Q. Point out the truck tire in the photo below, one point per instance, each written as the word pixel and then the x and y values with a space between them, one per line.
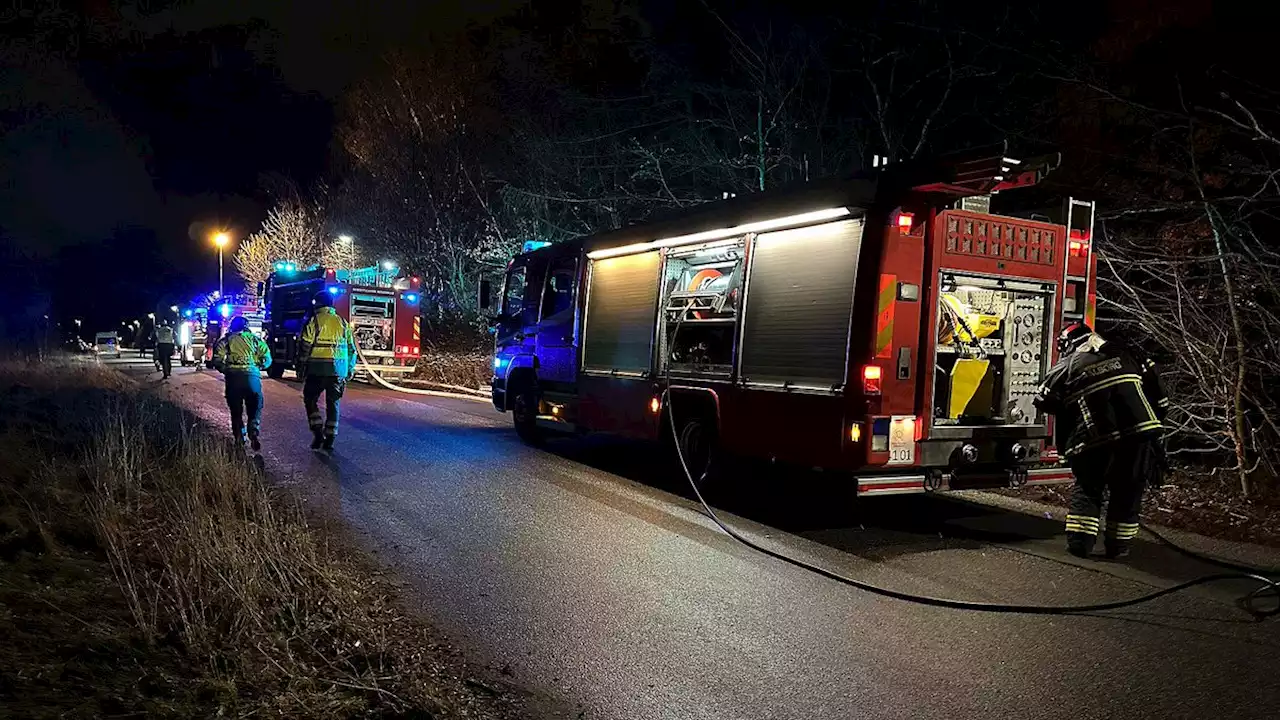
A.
pixel 697 439
pixel 524 413
pixel 275 372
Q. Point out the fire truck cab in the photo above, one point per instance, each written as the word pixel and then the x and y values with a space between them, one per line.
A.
pixel 381 307
pixel 885 324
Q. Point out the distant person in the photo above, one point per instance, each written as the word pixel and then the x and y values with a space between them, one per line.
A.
pixel 1109 406
pixel 241 357
pixel 164 348
pixel 326 363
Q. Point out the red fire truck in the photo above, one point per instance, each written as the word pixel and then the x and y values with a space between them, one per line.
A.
pixel 382 308
pixel 886 325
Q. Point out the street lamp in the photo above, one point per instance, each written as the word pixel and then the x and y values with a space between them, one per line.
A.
pixel 151 316
pixel 173 308
pixel 350 242
pixel 220 239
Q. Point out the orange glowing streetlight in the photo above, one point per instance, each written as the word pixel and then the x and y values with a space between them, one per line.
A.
pixel 220 239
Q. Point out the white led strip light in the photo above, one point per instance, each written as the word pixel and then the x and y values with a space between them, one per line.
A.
pixel 774 224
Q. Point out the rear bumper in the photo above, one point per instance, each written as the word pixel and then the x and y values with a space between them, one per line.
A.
pixel 920 482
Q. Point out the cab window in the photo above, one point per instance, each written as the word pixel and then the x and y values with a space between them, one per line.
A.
pixel 523 294
pixel 557 297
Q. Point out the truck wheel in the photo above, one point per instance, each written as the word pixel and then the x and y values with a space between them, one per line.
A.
pixel 275 372
pixel 524 413
pixel 697 442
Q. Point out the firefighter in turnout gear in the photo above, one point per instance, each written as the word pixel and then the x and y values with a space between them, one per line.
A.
pixel 1109 407
pixel 241 357
pixel 326 362
pixel 164 348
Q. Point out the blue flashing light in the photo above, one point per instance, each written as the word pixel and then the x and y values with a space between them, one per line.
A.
pixel 334 290
pixel 531 245
pixel 224 310
pixel 279 266
pixel 411 298
pixel 186 313
pixel 497 363
pixel 290 267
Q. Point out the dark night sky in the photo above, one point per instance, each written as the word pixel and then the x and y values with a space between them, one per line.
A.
pixel 132 129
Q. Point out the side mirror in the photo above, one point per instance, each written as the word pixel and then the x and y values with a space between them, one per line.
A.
pixel 486 293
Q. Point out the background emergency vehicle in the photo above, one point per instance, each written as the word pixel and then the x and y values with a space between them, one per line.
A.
pixel 381 307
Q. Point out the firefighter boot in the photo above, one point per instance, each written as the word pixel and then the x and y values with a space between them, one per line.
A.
pixel 1079 544
pixel 254 442
pixel 1082 533
pixel 1116 549
pixel 317 439
pixel 328 443
pixel 1119 536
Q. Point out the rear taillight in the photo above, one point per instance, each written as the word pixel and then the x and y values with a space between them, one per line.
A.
pixel 871 379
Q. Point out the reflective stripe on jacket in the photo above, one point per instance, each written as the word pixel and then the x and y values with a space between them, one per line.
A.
pixel 327 348
pixel 1097 397
pixel 241 352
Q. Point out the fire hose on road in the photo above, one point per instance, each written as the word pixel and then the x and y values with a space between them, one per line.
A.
pixel 456 391
pixel 1266 586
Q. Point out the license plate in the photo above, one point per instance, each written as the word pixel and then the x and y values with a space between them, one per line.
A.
pixel 902 441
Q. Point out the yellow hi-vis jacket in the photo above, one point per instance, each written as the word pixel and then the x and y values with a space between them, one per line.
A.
pixel 241 352
pixel 327 347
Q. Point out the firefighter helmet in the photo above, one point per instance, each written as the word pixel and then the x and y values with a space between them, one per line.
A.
pixel 1073 336
pixel 323 299
pixel 239 324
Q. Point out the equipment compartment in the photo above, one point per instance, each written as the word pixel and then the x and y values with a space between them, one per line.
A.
pixel 992 350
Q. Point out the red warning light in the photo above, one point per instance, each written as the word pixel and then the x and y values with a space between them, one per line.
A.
pixel 904 222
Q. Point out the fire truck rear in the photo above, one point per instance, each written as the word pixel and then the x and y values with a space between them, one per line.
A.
pixel 382 309
pixel 887 325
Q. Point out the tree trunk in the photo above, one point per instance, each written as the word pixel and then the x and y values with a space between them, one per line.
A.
pixel 1237 392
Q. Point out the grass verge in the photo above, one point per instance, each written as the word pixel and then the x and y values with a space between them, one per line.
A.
pixel 147 569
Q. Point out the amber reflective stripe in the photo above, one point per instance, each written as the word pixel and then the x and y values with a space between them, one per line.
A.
pixel 884 317
pixel 1083 519
pixel 1082 529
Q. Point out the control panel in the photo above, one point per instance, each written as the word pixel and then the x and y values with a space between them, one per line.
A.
pixel 1025 352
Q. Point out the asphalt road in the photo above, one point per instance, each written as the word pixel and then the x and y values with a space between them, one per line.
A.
pixel 579 576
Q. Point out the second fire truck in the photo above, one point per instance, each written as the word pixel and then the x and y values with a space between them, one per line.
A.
pixel 887 325
pixel 382 309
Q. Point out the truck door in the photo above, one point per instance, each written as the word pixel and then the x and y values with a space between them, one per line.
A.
pixel 521 302
pixel 557 350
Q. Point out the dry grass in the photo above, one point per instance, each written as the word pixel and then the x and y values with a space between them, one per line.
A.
pixel 460 357
pixel 174 581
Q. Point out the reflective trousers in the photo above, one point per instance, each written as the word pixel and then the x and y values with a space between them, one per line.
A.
pixel 164 356
pixel 244 398
pixel 1121 469
pixel 332 387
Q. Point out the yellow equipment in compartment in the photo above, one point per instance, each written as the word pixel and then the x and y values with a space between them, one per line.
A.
pixel 964 323
pixel 972 388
